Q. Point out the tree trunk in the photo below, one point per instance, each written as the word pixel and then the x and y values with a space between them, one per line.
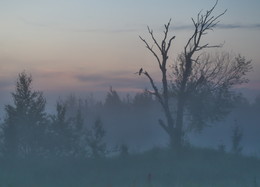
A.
pixel 179 123
pixel 179 134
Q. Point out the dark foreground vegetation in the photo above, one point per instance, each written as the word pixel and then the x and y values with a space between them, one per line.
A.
pixel 157 167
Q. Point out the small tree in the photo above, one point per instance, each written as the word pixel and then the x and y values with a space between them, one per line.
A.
pixel 79 121
pixel 78 135
pixel 194 77
pixel 113 100
pixel 124 152
pixel 237 135
pixel 25 121
pixel 95 137
pixel 208 96
pixel 143 100
pixel 60 133
pixel 65 135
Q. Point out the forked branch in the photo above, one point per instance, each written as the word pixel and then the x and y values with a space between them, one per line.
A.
pixel 163 48
pixel 150 48
pixel 156 92
pixel 202 24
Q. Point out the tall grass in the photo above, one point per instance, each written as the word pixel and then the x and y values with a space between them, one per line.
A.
pixel 158 167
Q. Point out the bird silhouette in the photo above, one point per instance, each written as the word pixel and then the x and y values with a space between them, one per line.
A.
pixel 140 71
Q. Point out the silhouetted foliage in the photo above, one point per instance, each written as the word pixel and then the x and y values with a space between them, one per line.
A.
pixel 60 132
pixel 25 121
pixel 236 137
pixel 65 135
pixel 256 104
pixel 79 147
pixel 143 100
pixel 124 152
pixel 79 121
pixel 112 99
pixel 95 139
pixel 208 95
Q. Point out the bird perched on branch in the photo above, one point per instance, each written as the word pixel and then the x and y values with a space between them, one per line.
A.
pixel 140 71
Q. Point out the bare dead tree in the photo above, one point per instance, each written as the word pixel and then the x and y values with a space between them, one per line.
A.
pixel 162 59
pixel 191 71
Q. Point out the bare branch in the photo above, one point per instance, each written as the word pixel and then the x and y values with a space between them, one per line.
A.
pixel 203 23
pixel 208 46
pixel 156 92
pixel 165 35
pixel 152 51
pixel 169 44
pixel 155 41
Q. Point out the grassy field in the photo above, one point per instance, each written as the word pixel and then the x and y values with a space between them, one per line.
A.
pixel 193 167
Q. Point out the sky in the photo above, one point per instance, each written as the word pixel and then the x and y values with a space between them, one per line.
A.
pixel 86 46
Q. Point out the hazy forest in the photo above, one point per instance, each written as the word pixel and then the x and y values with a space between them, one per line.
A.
pixel 192 128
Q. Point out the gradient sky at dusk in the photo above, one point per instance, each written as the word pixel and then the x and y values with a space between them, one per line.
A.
pixel 86 46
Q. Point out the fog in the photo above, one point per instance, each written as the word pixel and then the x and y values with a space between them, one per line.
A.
pixel 134 149
pixel 135 123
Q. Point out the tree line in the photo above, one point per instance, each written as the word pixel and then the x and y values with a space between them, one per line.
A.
pixel 28 131
pixel 76 129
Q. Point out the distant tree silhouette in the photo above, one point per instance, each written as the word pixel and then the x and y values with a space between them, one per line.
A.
pixel 95 139
pixel 200 84
pixel 79 121
pixel 79 146
pixel 236 137
pixel 112 99
pixel 65 137
pixel 143 100
pixel 60 139
pixel 123 150
pixel 25 120
pixel 212 98
pixel 256 104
